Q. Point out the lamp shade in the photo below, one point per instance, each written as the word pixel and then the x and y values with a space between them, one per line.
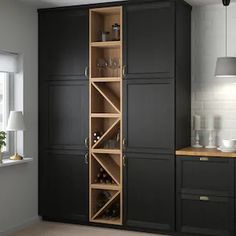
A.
pixel 226 67
pixel 15 121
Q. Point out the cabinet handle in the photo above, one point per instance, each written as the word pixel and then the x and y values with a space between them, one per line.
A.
pixel 86 142
pixel 86 158
pixel 86 71
pixel 204 159
pixel 123 70
pixel 124 160
pixel 124 142
pixel 204 198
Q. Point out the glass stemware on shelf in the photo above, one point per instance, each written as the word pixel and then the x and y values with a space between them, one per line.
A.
pixel 108 67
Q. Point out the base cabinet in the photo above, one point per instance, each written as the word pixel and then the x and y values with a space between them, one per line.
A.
pixel 205 196
pixel 149 186
pixel 205 215
pixel 64 189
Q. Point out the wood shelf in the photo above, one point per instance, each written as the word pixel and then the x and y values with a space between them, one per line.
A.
pixel 100 103
pixel 108 95
pixel 106 79
pixel 108 134
pixel 105 70
pixel 105 115
pixel 106 151
pixel 110 221
pixel 109 203
pixel 105 187
pixel 107 44
pixel 109 165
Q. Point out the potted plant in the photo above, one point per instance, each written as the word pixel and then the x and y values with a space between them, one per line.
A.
pixel 2 143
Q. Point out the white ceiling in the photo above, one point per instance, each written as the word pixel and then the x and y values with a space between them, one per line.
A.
pixel 60 3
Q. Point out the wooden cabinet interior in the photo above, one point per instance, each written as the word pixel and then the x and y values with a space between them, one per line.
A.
pixel 105 56
pixel 105 165
pixel 102 20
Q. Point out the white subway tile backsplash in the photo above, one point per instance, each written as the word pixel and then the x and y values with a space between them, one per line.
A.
pixel 210 95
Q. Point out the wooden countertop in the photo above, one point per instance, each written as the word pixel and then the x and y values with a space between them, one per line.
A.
pixel 204 152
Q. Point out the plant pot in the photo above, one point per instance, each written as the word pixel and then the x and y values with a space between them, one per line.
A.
pixel 0 157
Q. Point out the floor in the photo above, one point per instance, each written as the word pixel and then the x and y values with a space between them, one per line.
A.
pixel 58 229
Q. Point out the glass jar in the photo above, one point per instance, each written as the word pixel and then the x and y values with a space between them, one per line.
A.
pixel 116 32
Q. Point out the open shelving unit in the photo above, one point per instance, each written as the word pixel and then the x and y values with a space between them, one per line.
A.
pixel 105 85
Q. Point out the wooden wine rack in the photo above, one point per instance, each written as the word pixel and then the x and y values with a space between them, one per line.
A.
pixel 105 117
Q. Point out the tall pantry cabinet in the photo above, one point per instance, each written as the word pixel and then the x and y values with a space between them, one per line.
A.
pixel 63 114
pixel 156 109
pixel 123 123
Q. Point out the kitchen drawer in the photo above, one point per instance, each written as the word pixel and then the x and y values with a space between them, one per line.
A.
pixel 208 176
pixel 205 215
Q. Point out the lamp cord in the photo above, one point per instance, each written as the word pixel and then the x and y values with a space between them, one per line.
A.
pixel 226 31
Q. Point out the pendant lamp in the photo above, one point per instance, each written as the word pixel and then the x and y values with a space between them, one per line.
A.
pixel 226 66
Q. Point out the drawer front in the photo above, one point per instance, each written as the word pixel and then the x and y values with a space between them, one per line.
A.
pixel 202 175
pixel 205 215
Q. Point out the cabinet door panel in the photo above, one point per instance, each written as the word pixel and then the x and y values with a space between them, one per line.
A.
pixel 214 216
pixel 64 44
pixel 150 40
pixel 64 115
pixel 196 175
pixel 149 186
pixel 64 185
pixel 149 115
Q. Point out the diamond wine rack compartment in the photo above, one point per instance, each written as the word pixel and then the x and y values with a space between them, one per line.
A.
pixel 105 163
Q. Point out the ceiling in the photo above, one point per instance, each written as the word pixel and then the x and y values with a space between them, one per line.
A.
pixel 60 3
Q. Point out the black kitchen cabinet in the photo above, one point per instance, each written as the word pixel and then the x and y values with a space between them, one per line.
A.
pixel 149 191
pixel 206 176
pixel 205 215
pixel 149 115
pixel 63 132
pixel 63 37
pixel 155 113
pixel 156 108
pixel 63 114
pixel 64 194
pixel 150 40
pixel 205 195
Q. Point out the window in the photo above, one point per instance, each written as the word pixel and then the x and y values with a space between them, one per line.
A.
pixel 8 68
pixel 5 105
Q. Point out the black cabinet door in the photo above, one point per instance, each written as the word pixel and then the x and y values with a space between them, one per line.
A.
pixel 63 116
pixel 63 128
pixel 64 182
pixel 207 176
pixel 63 49
pixel 149 191
pixel 149 116
pixel 149 38
pixel 205 215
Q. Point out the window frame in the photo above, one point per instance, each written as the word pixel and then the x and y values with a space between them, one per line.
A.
pixel 9 105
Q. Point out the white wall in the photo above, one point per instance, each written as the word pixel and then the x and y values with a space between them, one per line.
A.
pixel 19 184
pixel 210 95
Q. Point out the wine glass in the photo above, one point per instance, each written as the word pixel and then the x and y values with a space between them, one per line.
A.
pixel 116 66
pixel 101 65
pixel 113 64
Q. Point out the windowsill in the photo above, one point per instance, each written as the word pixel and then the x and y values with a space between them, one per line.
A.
pixel 8 162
